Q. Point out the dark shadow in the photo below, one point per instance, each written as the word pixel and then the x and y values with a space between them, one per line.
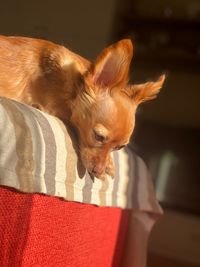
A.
pixel 119 247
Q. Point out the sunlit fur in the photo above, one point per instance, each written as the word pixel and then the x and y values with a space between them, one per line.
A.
pixel 93 96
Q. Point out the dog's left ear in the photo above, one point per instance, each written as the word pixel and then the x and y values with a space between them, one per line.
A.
pixel 143 92
pixel 112 65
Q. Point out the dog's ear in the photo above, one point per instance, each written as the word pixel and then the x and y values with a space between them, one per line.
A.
pixel 144 92
pixel 112 65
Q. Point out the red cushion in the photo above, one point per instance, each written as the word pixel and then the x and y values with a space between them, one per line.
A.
pixel 37 230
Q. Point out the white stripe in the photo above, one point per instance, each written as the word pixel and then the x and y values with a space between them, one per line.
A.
pixel 78 188
pixel 109 191
pixel 123 179
pixel 8 155
pixel 95 191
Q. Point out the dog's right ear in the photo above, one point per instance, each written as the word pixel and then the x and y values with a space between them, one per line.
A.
pixel 111 67
pixel 143 92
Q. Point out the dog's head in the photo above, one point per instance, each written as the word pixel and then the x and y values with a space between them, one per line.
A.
pixel 104 109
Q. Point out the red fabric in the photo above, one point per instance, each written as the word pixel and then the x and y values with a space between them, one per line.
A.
pixel 37 230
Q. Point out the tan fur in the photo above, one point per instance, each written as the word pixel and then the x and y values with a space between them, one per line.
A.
pixel 94 97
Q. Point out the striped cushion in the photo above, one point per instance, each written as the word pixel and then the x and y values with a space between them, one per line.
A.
pixel 37 155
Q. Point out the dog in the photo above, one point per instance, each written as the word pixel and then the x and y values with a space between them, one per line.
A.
pixel 94 97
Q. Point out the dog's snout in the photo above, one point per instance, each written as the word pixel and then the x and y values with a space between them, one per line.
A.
pixel 98 169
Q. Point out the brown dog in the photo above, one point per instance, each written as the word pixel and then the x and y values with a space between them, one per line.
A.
pixel 94 97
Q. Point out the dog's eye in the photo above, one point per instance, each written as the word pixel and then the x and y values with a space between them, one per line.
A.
pixel 99 137
pixel 119 147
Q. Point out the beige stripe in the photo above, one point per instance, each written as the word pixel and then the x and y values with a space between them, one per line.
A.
pixel 71 163
pixel 24 147
pixel 102 192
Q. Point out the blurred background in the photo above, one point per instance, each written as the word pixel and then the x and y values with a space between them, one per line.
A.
pixel 166 36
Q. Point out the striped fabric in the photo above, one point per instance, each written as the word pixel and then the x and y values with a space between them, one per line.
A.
pixel 37 155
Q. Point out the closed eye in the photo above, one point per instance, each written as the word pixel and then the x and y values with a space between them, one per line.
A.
pixel 99 137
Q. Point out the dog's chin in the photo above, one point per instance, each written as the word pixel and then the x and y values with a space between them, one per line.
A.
pixel 89 161
pixel 93 174
pixel 109 171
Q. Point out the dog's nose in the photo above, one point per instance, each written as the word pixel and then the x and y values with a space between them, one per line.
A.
pixel 98 170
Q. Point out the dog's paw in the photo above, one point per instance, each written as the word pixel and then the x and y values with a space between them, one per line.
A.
pixel 102 176
pixel 110 169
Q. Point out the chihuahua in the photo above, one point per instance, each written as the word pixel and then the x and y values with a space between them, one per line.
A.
pixel 94 97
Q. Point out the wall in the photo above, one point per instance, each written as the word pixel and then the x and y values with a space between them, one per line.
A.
pixel 84 26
